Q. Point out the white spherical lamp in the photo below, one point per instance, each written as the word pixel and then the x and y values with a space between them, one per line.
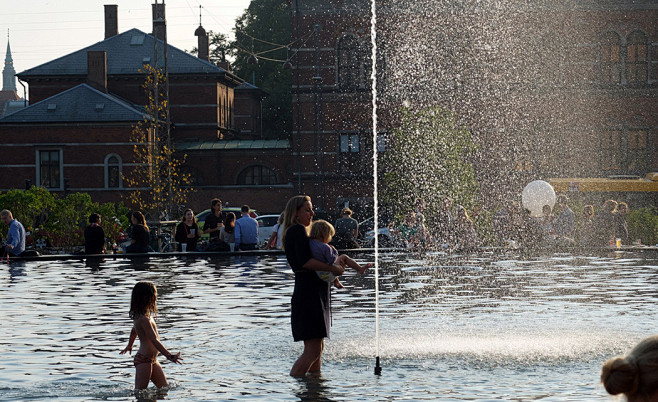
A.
pixel 537 194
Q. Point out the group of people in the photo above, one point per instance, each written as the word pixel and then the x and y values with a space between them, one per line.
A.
pixel 559 226
pixel 452 228
pixel 223 229
pixel 316 265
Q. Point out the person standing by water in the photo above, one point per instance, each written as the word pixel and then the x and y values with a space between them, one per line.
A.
pixel 15 243
pixel 213 225
pixel 139 234
pixel 604 224
pixel 187 231
pixel 246 231
pixel 227 232
pixel 565 221
pixel 347 230
pixel 143 308
pixel 621 226
pixel 310 308
pixel 94 236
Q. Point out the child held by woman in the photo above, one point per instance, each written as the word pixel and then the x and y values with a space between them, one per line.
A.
pixel 320 236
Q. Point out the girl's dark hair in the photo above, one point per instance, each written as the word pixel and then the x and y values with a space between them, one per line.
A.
pixel 229 223
pixel 93 218
pixel 143 300
pixel 140 219
pixel 182 219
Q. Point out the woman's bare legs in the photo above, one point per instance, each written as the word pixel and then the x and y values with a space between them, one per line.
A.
pixel 316 367
pixel 310 360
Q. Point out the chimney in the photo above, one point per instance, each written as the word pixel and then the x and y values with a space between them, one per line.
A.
pixel 159 21
pixel 204 46
pixel 97 70
pixel 111 21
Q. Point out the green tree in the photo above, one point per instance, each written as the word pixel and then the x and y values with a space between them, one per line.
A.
pixel 428 159
pixel 61 221
pixel 31 207
pixel 221 48
pixel 158 179
pixel 265 29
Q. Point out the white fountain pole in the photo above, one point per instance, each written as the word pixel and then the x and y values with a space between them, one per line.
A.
pixel 373 78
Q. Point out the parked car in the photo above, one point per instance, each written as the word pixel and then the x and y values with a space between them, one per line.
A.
pixel 367 234
pixel 201 217
pixel 385 238
pixel 265 227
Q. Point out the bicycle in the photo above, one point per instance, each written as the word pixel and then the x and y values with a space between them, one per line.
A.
pixel 165 244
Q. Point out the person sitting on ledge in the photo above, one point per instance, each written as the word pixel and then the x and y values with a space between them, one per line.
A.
pixel 15 244
pixel 634 375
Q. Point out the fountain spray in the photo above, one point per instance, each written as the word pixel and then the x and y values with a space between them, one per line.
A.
pixel 373 78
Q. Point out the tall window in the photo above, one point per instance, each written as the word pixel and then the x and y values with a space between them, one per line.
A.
pixel 610 58
pixel 49 169
pixel 257 175
pixel 636 58
pixel 627 150
pixel 349 63
pixel 113 171
pixel 349 143
pixel 611 149
pixel 637 157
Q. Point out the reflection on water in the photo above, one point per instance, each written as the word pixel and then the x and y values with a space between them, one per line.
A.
pixel 452 327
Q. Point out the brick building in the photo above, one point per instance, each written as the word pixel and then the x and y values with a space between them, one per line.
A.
pixel 73 136
pixel 549 89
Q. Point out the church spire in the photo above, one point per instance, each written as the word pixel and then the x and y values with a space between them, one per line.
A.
pixel 8 74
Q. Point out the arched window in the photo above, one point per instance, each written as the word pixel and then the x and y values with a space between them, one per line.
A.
pixel 113 171
pixel 636 57
pixel 349 63
pixel 257 175
pixel 610 58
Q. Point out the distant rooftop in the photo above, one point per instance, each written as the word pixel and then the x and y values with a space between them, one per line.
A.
pixel 126 54
pixel 81 103
pixel 231 145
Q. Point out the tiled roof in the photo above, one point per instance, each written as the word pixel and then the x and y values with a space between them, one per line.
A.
pixel 8 95
pixel 79 104
pixel 231 145
pixel 126 54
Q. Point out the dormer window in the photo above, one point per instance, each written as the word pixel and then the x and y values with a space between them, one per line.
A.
pixel 137 40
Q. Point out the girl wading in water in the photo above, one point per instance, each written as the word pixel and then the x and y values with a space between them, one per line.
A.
pixel 310 307
pixel 143 304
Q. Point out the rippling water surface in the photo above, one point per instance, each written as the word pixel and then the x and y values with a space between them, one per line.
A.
pixel 479 327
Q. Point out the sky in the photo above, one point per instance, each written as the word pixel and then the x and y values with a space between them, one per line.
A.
pixel 43 30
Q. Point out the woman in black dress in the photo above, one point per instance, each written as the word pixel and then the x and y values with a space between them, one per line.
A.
pixel 310 309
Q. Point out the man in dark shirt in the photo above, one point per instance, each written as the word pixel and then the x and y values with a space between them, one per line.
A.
pixel 94 236
pixel 215 220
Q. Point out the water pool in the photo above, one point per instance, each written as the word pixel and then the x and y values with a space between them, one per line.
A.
pixel 477 327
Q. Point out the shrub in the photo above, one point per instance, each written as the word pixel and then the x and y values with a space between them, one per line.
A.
pixel 643 225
